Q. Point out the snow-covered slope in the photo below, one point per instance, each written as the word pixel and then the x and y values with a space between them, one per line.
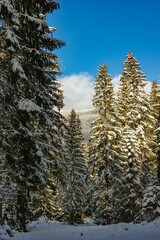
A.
pixel 62 231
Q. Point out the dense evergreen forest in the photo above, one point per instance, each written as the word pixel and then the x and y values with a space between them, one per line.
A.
pixel 46 169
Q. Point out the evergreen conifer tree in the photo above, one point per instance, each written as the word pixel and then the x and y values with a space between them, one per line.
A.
pixel 131 193
pixel 137 110
pixel 155 104
pixel 151 196
pixel 31 140
pixel 138 138
pixel 104 156
pixel 73 196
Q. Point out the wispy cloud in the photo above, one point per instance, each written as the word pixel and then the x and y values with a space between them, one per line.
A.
pixel 78 90
pixel 116 80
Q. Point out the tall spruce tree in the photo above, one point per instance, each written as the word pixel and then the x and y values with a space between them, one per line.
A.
pixel 136 120
pixel 155 104
pixel 73 196
pixel 133 102
pixel 104 156
pixel 6 49
pixel 31 99
pixel 151 197
pixel 131 194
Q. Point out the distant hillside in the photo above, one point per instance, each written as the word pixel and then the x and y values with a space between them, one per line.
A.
pixel 86 116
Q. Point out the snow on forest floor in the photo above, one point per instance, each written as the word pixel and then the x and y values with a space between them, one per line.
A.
pixel 61 231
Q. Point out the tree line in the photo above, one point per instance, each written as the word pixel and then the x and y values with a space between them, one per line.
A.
pixel 124 148
pixel 45 169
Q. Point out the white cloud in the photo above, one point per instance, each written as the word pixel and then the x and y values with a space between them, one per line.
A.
pixel 116 82
pixel 148 87
pixel 78 91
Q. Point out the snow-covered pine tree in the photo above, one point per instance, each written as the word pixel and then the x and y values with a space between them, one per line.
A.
pixel 131 93
pixel 134 114
pixel 73 196
pixel 151 196
pixel 31 100
pixel 140 115
pixel 155 104
pixel 154 98
pixel 151 203
pixel 8 15
pixel 104 156
pixel 130 197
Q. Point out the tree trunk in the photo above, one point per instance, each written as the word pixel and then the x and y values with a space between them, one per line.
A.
pixel 22 212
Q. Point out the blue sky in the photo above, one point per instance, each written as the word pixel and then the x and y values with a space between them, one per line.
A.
pixel 103 31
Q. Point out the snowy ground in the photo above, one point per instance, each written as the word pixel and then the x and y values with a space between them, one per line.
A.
pixel 60 231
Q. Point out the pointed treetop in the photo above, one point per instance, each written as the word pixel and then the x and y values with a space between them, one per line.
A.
pixel 73 112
